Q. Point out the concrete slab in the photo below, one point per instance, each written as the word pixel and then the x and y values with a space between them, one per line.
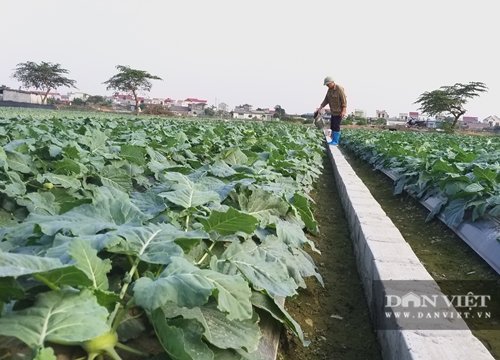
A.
pixel 385 261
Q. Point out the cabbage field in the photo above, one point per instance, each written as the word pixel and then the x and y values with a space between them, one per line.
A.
pixel 115 228
pixel 112 226
pixel 462 171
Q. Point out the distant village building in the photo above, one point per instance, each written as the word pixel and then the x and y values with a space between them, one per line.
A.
pixel 51 95
pixel 153 101
pixel 473 123
pixel 359 113
pixel 195 101
pixel 399 121
pixel 20 96
pixel 246 112
pixel 243 108
pixel 470 120
pixel 243 112
pixel 186 107
pixel 196 106
pixel 414 115
pixel 433 123
pixel 382 114
pixel 492 121
pixel 125 100
pixel 179 110
pixel 223 107
pixel 77 95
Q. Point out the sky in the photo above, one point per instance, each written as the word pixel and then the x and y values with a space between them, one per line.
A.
pixel 385 53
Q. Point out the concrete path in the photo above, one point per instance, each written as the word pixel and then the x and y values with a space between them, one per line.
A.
pixel 391 273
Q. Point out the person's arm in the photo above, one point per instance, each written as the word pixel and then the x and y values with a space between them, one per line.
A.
pixel 323 104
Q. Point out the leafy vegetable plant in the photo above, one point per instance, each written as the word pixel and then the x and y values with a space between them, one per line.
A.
pixel 116 228
pixel 462 171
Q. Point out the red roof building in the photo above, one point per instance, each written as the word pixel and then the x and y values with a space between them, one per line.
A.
pixel 195 100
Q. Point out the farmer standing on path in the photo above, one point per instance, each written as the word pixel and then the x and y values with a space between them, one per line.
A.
pixel 335 97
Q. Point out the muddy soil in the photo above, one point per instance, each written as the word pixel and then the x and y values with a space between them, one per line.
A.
pixel 334 318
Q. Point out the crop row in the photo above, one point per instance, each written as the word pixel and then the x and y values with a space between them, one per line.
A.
pixel 462 171
pixel 113 225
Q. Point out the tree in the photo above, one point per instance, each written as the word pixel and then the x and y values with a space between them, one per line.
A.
pixel 98 100
pixel 44 76
pixel 210 111
pixel 449 99
pixel 279 112
pixel 131 80
pixel 79 102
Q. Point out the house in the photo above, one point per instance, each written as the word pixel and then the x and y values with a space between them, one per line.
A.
pixel 473 123
pixel 263 114
pixel 126 100
pixel 191 101
pixel 382 114
pixel 64 99
pixel 168 102
pixel 195 101
pixel 242 112
pixel 122 99
pixel 188 106
pixel 77 95
pixel 476 126
pixel 196 109
pixel 492 120
pixel 246 112
pixel 20 96
pixel 434 123
pixel 470 120
pixel 223 107
pixel 393 121
pixel 359 113
pixel 154 101
pixel 196 106
pixel 243 108
pixel 413 115
pixel 179 110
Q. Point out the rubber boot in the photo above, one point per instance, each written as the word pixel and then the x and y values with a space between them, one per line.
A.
pixel 335 138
